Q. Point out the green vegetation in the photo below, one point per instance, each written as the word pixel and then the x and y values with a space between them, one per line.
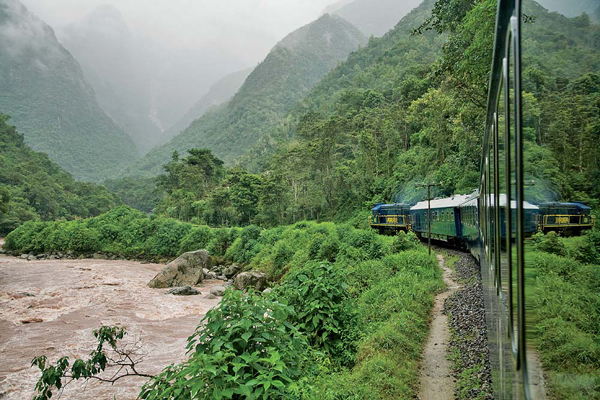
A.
pixel 350 304
pixel 139 193
pixel 564 310
pixel 290 70
pixel 32 187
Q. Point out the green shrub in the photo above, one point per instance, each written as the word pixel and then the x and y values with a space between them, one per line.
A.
pixel 324 310
pixel 167 239
pixel 83 239
pixel 549 243
pixel 244 348
pixel 197 239
pixel 403 241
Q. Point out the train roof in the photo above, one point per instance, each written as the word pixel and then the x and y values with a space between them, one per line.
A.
pixel 513 203
pixel 560 204
pixel 392 205
pixel 447 202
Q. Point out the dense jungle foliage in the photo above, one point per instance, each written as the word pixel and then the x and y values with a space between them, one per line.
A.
pixel 33 187
pixel 292 68
pixel 43 89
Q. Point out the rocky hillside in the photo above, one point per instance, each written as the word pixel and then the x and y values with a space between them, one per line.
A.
pixel 292 68
pixel 44 90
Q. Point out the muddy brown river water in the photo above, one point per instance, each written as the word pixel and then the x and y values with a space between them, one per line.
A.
pixel 71 298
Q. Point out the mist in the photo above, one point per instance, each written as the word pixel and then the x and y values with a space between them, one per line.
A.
pixel 150 61
pixel 249 28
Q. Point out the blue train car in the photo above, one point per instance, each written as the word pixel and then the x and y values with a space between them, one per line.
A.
pixel 445 219
pixel 391 217
pixel 565 217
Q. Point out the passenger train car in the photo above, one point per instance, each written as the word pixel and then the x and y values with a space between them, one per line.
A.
pixel 445 219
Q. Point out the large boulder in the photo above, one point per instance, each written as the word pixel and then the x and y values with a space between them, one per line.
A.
pixel 252 279
pixel 186 270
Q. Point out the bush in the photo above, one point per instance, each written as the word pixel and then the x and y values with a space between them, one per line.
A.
pixel 83 239
pixel 244 348
pixel 549 243
pixel 324 310
pixel 197 239
pixel 166 241
pixel 403 241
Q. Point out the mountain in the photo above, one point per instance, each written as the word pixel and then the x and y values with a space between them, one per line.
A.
pixel 218 93
pixel 573 8
pixel 292 68
pixel 34 187
pixel 332 8
pixel 374 17
pixel 45 92
pixel 119 67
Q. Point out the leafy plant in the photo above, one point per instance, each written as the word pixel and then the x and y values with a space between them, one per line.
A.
pixel 55 377
pixel 246 348
pixel 324 310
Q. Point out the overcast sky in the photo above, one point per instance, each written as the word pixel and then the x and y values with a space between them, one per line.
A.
pixel 250 26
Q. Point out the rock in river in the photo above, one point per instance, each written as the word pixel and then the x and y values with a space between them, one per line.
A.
pixel 186 270
pixel 217 290
pixel 183 291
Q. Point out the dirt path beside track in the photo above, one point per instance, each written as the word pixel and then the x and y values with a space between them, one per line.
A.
pixel 436 381
pixel 65 300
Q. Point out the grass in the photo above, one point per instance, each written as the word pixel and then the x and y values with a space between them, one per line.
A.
pixel 564 314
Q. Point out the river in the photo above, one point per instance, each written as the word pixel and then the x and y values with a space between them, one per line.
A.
pixel 65 300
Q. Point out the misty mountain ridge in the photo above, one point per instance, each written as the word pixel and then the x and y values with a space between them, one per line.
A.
pixel 218 93
pixel 295 65
pixel 145 86
pixel 44 90
pixel 373 17
pixel 118 66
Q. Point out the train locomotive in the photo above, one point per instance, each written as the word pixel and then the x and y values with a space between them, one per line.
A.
pixel 391 217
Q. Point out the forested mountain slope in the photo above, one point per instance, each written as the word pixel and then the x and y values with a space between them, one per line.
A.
pixel 44 90
pixel 290 70
pixel 376 17
pixel 218 93
pixel 34 187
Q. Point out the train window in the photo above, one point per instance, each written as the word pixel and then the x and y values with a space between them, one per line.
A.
pixel 443 215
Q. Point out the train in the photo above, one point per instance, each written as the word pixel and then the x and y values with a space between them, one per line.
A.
pixel 456 219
